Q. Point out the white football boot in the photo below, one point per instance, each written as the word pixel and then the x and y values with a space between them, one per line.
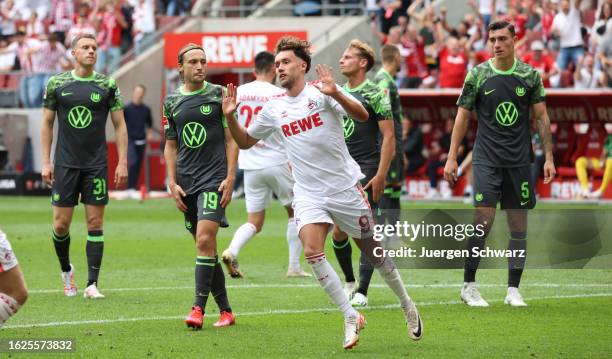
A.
pixel 471 296
pixel 514 298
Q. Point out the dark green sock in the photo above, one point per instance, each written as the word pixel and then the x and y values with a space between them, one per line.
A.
pixel 94 250
pixel 204 272
pixel 365 274
pixel 62 249
pixel 344 254
pixel 516 264
pixel 218 290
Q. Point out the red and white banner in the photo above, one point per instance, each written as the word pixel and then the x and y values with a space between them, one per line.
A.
pixel 226 49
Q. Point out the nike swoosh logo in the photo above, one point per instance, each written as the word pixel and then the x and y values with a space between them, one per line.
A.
pixel 176 113
pixel 99 198
pixel 66 93
pixel 524 203
pixel 488 92
pixel 417 333
pixel 209 212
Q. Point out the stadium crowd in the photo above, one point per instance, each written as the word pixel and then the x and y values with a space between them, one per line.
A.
pixel 35 36
pixel 569 42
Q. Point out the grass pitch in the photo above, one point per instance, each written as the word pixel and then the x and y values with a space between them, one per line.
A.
pixel 147 276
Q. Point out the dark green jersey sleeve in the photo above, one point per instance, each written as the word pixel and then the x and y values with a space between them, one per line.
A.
pixel 115 101
pixel 538 94
pixel 467 99
pixel 168 121
pixel 381 105
pixel 49 96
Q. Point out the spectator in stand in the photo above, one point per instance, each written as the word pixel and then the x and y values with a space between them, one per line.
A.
pixel 604 53
pixel 8 14
pixel 567 25
pixel 7 59
pixel 486 8
pixel 144 25
pixel 416 69
pixel 413 146
pixel 110 21
pixel 46 57
pixel 453 62
pixel 62 13
pixel 34 27
pixel 29 87
pixel 548 15
pixel 586 76
pixel 602 26
pixel 427 21
pixel 541 61
pixel 139 125
pixel 585 163
pixel 82 26
pixel 127 33
pixel 437 158
pixel 182 6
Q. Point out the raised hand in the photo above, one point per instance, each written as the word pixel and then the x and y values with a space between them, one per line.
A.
pixel 327 84
pixel 229 100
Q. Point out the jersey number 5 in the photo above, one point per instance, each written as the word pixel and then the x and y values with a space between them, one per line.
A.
pixel 248 110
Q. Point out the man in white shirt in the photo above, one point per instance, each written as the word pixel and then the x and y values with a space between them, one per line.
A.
pixel 309 118
pixel 586 76
pixel 567 25
pixel 266 171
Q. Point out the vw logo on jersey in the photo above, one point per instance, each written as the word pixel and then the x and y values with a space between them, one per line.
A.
pixel 206 109
pixel 79 117
pixel 506 113
pixel 348 125
pixel 520 91
pixel 194 135
pixel 95 97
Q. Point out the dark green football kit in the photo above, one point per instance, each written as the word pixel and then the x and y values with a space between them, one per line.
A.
pixel 362 137
pixel 80 163
pixel 386 82
pixel 196 121
pixel 502 150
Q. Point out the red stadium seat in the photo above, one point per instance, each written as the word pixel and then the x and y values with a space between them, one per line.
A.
pixel 589 144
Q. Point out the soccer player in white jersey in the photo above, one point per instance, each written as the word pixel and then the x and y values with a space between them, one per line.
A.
pixel 266 171
pixel 13 291
pixel 327 190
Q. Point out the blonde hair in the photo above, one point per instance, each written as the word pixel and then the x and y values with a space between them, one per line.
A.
pixel 365 51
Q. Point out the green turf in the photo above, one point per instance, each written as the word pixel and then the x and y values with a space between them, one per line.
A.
pixel 147 276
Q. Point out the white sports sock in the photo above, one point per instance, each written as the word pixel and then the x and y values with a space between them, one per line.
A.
pixel 242 236
pixel 329 280
pixel 392 277
pixel 8 307
pixel 295 246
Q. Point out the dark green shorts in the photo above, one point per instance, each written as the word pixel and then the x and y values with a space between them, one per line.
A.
pixel 204 206
pixel 510 186
pixel 90 184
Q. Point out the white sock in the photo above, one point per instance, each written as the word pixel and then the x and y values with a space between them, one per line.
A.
pixel 295 246
pixel 329 280
pixel 8 307
pixel 242 236
pixel 392 277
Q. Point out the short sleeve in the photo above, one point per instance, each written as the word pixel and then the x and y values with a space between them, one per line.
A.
pixel 467 99
pixel 168 123
pixel 538 94
pixel 49 99
pixel 335 106
pixel 381 105
pixel 264 124
pixel 115 101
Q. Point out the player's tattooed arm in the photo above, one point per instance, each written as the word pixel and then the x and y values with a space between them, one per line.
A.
pixel 227 186
pixel 170 155
pixel 46 138
pixel 354 109
pixel 459 130
pixel 239 133
pixel 543 124
pixel 121 136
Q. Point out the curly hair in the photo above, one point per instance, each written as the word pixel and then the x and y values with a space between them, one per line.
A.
pixel 301 48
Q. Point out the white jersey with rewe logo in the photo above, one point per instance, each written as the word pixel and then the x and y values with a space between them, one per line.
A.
pixel 311 126
pixel 265 154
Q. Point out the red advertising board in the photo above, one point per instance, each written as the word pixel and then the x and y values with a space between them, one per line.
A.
pixel 563 105
pixel 226 49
